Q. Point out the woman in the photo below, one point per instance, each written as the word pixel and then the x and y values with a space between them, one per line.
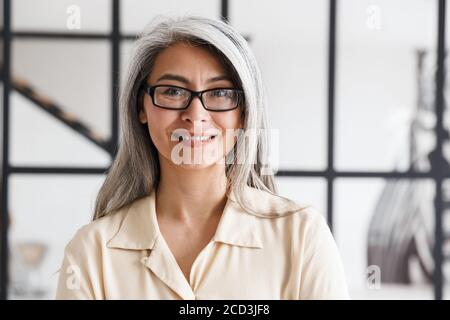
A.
pixel 188 209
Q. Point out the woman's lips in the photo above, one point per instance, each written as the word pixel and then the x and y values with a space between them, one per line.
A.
pixel 193 140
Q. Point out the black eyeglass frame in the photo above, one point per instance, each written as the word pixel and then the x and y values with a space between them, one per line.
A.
pixel 150 90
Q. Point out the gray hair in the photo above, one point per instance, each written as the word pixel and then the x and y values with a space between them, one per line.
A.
pixel 135 170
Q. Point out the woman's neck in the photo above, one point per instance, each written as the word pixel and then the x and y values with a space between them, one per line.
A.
pixel 191 196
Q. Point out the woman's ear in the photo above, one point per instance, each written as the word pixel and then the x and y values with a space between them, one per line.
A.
pixel 142 116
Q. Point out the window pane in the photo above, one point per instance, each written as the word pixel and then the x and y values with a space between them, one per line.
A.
pixel 293 59
pixel 75 77
pixel 377 79
pixel 61 15
pixel 45 213
pixel 75 74
pixel 135 14
pixel 125 51
pixel 384 230
pixel 310 191
pixel 38 139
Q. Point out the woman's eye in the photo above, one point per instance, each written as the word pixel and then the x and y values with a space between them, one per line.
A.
pixel 173 92
pixel 220 93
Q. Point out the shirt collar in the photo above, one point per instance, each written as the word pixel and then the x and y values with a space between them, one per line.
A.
pixel 139 229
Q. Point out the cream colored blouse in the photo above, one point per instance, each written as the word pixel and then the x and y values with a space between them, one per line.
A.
pixel 124 256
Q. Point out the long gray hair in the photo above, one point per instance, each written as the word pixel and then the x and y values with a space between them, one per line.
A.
pixel 135 170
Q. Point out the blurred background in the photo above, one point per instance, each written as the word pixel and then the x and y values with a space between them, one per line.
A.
pixel 356 89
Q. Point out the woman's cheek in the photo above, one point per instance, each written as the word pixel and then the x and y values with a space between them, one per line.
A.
pixel 160 141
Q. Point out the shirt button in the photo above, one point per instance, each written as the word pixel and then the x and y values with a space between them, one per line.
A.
pixel 144 259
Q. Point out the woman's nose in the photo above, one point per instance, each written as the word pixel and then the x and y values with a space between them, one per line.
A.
pixel 195 111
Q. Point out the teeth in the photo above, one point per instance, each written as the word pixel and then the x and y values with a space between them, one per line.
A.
pixel 195 138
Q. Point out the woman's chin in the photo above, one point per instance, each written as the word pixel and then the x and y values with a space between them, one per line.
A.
pixel 196 166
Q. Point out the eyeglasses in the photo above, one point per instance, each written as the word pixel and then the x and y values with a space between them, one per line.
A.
pixel 178 98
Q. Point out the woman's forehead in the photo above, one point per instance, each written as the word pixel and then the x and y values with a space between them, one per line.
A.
pixel 188 62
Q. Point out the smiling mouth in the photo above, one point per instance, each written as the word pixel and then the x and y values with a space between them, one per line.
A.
pixel 188 137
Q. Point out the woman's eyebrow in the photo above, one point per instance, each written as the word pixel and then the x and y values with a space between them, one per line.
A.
pixel 170 76
pixel 219 78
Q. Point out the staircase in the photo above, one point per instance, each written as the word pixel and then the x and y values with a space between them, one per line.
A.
pixel 40 100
